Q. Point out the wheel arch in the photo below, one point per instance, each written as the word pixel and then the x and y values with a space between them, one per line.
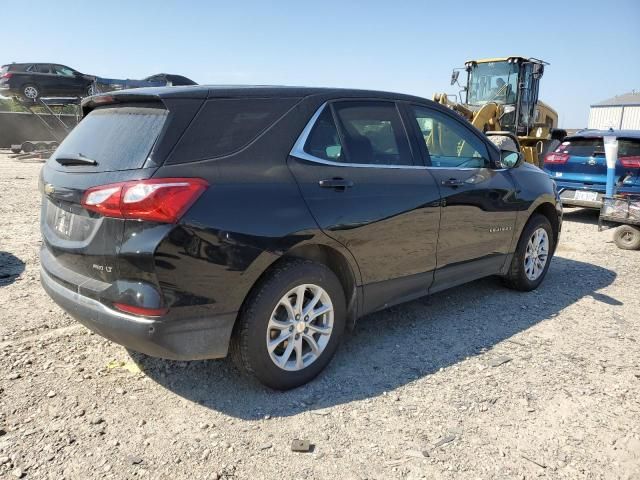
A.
pixel 549 210
pixel 333 259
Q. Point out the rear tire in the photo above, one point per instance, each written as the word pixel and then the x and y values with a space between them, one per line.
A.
pixel 627 237
pixel 30 91
pixel 526 271
pixel 272 312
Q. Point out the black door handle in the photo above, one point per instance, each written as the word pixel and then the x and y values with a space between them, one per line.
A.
pixel 452 182
pixel 337 183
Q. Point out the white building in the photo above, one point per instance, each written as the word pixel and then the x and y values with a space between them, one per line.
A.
pixel 619 112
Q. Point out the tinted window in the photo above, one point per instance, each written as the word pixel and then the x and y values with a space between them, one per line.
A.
pixel 324 141
pixel 373 133
pixel 224 126
pixel 594 147
pixel 63 71
pixel 449 143
pixel 117 138
pixel 39 68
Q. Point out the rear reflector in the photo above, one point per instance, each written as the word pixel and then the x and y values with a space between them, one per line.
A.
pixel 162 200
pixel 556 158
pixel 630 162
pixel 145 312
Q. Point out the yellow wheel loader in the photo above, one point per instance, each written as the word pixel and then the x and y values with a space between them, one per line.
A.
pixel 501 99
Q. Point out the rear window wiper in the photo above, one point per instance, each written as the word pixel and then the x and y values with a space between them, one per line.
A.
pixel 79 159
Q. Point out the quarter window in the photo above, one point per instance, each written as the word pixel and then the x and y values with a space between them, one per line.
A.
pixel 373 133
pixel 226 125
pixel 448 142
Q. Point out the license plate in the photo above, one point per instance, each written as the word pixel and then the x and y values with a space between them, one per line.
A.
pixel 585 196
pixel 64 222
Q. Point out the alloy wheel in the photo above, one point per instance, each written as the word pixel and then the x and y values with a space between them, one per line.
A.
pixel 537 254
pixel 31 92
pixel 300 327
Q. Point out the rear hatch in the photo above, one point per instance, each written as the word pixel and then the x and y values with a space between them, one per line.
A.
pixel 4 77
pixel 122 141
pixel 581 160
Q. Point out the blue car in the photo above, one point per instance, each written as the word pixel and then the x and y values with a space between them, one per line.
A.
pixel 579 167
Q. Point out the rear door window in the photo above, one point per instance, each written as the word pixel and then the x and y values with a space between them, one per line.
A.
pixel 324 141
pixel 39 68
pixel 582 147
pixel 373 133
pixel 118 138
pixel 225 126
pixel 594 147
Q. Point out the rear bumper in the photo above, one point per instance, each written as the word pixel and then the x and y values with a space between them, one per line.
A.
pixel 178 339
pixel 567 190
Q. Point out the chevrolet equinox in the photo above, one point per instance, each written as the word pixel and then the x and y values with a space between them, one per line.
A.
pixel 192 222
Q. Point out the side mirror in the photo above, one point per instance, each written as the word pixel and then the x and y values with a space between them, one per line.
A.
pixel 454 76
pixel 510 159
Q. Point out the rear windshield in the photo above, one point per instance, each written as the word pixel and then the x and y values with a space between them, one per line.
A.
pixel 225 126
pixel 594 147
pixel 117 138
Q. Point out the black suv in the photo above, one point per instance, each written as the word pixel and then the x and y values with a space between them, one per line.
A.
pixel 188 221
pixel 34 80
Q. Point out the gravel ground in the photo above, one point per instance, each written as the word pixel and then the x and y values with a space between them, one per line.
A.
pixel 476 382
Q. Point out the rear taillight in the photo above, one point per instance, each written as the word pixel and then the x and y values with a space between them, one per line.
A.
pixel 630 162
pixel 161 200
pixel 556 157
pixel 6 75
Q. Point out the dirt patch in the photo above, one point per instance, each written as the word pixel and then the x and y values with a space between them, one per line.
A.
pixel 475 382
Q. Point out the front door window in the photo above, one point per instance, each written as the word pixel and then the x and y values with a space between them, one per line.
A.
pixel 449 144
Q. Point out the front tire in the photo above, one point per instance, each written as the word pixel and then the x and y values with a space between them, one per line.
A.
pixel 533 255
pixel 291 325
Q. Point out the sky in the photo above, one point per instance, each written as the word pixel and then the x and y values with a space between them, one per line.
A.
pixel 403 46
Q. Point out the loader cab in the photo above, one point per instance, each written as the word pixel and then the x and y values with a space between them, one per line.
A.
pixel 511 82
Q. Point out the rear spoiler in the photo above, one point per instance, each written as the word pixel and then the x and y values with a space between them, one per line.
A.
pixel 140 95
pixel 90 103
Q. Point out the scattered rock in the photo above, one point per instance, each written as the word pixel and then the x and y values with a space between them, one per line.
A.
pixel 301 446
pixel 96 420
pixel 51 394
pixel 496 362
pixel 17 472
pixel 444 441
pixel 14 376
pixel 417 453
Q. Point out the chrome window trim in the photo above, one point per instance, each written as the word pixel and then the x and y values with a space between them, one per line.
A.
pixel 298 152
pixel 298 149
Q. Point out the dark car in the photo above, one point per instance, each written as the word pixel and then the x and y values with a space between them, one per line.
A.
pixel 170 80
pixel 34 80
pixel 579 167
pixel 181 221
